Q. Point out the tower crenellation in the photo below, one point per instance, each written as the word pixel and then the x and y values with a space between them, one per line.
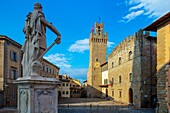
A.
pixel 129 40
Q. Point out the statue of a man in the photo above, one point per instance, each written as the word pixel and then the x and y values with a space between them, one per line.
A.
pixel 35 43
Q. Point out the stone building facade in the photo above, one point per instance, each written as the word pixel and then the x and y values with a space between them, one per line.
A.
pixel 167 69
pixel 105 82
pixel 10 70
pixel 98 46
pixel 75 88
pixel 69 87
pixel 162 27
pixel 49 70
pixel 64 86
pixel 132 70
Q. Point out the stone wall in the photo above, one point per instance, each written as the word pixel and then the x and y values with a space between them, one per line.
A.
pixel 1 73
pixel 2 64
pixel 124 69
pixel 136 70
pixel 167 69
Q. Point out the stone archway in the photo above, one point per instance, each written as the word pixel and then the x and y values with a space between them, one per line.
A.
pixel 130 95
pixel 106 92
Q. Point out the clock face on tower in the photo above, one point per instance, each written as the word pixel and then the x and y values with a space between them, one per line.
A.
pixel 96 64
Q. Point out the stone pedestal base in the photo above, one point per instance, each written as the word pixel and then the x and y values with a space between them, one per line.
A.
pixel 37 95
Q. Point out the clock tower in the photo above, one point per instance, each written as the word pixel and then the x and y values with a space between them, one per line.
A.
pixel 98 47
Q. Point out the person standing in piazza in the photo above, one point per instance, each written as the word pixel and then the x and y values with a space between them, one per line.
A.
pixel 35 43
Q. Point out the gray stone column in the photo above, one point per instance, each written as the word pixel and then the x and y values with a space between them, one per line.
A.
pixel 37 95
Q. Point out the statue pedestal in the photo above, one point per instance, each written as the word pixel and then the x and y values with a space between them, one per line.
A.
pixel 37 94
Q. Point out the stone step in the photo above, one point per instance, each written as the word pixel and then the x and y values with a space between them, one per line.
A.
pixel 105 111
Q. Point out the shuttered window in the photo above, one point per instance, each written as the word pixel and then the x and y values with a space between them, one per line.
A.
pixel 112 80
pixel 14 56
pixel 13 73
pixel 120 94
pixel 113 93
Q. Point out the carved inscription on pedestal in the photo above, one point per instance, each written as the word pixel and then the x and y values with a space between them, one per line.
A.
pixel 45 101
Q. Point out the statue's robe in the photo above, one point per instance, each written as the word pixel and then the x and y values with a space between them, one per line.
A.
pixel 35 43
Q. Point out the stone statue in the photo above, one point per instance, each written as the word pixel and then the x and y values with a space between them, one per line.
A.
pixel 35 43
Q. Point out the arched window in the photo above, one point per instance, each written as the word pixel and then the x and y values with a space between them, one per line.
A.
pixel 113 93
pixel 112 64
pixel 130 95
pixel 120 79
pixel 120 60
pixel 97 60
pixel 130 55
pixel 112 80
pixel 130 77
pixel 99 30
pixel 105 81
pixel 43 68
pixel 120 94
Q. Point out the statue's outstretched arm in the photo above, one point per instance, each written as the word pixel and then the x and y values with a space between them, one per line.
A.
pixel 50 26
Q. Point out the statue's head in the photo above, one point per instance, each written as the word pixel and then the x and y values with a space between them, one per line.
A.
pixel 37 6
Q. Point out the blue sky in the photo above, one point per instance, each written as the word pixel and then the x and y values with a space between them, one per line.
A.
pixel 74 20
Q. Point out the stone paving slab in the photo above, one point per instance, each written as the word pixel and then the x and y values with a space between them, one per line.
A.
pixel 73 110
pixel 104 111
pixel 86 105
pixel 89 101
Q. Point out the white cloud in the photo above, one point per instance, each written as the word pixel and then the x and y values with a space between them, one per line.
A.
pixel 123 21
pixel 61 60
pixel 132 15
pixel 130 2
pixel 151 8
pixel 110 44
pixel 77 73
pixel 136 7
pixel 82 45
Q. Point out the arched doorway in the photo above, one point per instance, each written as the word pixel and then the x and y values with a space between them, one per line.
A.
pixel 154 101
pixel 106 92
pixel 130 95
